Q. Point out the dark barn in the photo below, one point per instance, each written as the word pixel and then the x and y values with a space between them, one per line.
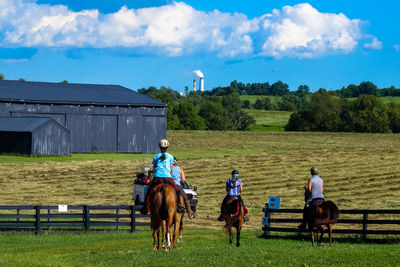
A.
pixel 100 118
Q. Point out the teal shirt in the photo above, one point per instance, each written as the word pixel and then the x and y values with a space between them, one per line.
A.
pixel 162 168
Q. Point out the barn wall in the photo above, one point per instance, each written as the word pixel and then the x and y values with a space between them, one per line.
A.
pixel 51 139
pixel 106 129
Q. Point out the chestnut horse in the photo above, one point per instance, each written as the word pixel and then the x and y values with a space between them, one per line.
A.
pixel 319 214
pixel 163 204
pixel 233 213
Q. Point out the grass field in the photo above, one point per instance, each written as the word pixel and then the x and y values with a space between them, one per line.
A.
pixel 267 120
pixel 200 248
pixel 359 171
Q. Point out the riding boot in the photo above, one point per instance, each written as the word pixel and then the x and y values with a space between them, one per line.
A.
pixel 179 207
pixel 191 214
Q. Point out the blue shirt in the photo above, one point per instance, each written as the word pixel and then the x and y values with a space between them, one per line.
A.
pixel 176 174
pixel 162 168
pixel 233 189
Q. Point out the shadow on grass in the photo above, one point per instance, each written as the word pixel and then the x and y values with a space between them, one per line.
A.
pixel 340 238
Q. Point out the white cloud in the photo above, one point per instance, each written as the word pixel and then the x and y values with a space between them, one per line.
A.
pixel 178 29
pixel 375 44
pixel 396 47
pixel 301 31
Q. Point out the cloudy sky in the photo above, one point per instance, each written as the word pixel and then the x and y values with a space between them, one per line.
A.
pixel 139 43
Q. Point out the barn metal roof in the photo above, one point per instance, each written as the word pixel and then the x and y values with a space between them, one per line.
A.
pixel 22 124
pixel 71 93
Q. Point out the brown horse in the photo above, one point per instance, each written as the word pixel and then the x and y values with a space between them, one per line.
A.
pixel 233 213
pixel 162 207
pixel 319 214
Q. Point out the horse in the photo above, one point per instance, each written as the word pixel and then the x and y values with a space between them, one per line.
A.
pixel 163 204
pixel 233 213
pixel 319 214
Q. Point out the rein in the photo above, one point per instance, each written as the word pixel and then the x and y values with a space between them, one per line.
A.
pixel 233 215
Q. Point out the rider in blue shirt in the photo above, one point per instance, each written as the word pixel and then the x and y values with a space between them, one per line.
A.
pixel 163 164
pixel 233 189
pixel 179 178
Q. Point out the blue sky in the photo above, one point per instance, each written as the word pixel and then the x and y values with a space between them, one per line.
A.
pixel 139 43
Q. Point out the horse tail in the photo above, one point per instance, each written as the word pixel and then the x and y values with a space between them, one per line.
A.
pixel 235 210
pixel 334 210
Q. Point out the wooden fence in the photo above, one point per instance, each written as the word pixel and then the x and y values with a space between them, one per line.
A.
pixel 359 225
pixel 81 217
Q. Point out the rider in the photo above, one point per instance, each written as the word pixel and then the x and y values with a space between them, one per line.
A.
pixel 233 188
pixel 315 189
pixel 179 178
pixel 162 164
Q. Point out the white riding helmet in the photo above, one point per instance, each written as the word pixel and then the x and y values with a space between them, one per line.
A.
pixel 164 143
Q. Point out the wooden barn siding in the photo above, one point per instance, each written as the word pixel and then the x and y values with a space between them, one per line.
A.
pixel 51 139
pixel 107 129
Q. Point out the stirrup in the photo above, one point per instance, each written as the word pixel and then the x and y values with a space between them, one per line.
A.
pixel 220 218
pixel 143 210
pixel 245 218
pixel 180 208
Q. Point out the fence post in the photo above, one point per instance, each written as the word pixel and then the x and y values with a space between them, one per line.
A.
pixel 86 218
pixel 365 226
pixel 37 219
pixel 117 219
pixel 48 213
pixel 18 213
pixel 268 216
pixel 133 219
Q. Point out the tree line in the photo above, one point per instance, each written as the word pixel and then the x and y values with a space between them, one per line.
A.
pixel 197 111
pixel 327 113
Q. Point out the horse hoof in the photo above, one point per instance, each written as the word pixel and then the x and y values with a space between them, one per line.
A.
pixel 163 245
pixel 238 245
pixel 230 245
pixel 320 244
pixel 180 240
pixel 154 248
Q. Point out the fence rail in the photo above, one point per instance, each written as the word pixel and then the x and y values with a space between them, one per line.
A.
pixel 361 224
pixel 82 217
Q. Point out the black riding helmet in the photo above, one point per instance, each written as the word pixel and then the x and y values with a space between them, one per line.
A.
pixel 235 172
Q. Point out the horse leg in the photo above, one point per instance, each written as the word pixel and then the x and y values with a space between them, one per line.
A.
pixel 320 229
pixel 156 238
pixel 330 234
pixel 163 234
pixel 230 236
pixel 311 229
pixel 237 236
pixel 180 239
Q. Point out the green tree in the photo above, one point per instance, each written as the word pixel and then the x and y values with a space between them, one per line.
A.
pixel 245 104
pixel 370 115
pixel 172 119
pixel 394 117
pixel 214 115
pixel 1 76
pixel 188 117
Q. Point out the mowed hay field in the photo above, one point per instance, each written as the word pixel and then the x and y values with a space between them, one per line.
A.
pixel 360 171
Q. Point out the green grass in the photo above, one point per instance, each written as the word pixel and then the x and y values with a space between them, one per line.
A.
pixel 4 158
pixel 253 98
pixel 200 248
pixel 268 120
